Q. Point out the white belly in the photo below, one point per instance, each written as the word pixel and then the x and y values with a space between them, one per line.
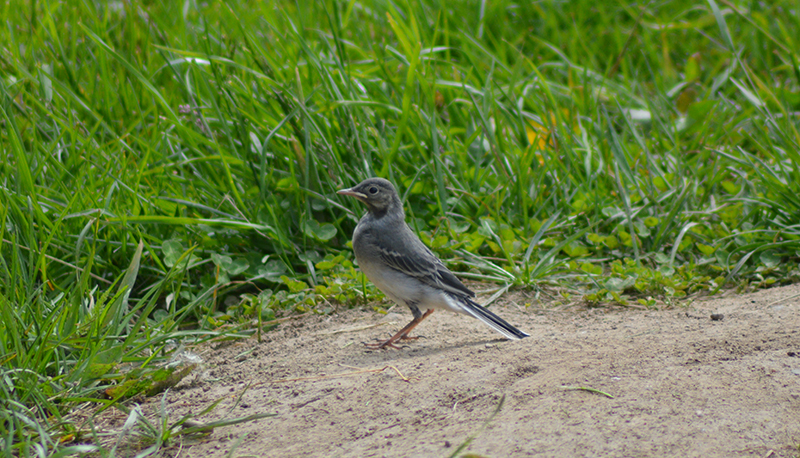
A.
pixel 406 290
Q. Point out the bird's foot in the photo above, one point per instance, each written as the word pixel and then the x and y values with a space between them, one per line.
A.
pixel 401 334
pixel 388 343
pixel 407 337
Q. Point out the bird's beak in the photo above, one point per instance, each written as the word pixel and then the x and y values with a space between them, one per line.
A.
pixel 350 192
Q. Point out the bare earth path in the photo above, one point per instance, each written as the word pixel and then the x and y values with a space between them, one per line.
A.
pixel 682 384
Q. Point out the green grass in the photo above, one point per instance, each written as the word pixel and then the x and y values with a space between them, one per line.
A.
pixel 168 171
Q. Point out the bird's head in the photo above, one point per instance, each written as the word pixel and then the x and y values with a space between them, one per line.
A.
pixel 378 194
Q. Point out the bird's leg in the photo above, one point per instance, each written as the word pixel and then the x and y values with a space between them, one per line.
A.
pixel 401 334
pixel 405 335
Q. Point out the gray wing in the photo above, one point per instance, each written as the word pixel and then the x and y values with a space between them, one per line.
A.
pixel 414 259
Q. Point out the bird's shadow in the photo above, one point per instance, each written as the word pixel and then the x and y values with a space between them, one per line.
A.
pixel 415 350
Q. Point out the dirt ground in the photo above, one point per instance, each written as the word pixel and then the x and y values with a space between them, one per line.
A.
pixel 679 384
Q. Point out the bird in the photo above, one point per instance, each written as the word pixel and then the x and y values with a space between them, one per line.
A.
pixel 393 257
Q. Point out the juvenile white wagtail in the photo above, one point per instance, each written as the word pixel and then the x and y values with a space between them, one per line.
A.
pixel 400 265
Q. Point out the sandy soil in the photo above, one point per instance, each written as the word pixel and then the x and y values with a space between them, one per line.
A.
pixel 682 384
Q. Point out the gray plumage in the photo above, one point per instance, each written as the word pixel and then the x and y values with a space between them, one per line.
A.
pixel 392 256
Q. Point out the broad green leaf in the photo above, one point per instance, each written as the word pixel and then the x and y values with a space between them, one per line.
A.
pixel 591 268
pixel 619 284
pixel 322 232
pixel 706 249
pixel 575 250
pixel 770 258
pixel 295 286
pixel 172 250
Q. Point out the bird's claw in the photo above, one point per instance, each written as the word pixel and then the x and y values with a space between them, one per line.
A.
pixel 407 337
pixel 389 343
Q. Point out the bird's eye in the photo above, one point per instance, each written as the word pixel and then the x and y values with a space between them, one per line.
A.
pixel 373 190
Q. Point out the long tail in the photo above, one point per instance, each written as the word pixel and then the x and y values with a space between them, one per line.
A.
pixel 495 322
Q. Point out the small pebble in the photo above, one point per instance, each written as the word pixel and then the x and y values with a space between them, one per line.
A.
pixel 717 317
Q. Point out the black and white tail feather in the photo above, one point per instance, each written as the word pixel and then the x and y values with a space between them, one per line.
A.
pixel 493 321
